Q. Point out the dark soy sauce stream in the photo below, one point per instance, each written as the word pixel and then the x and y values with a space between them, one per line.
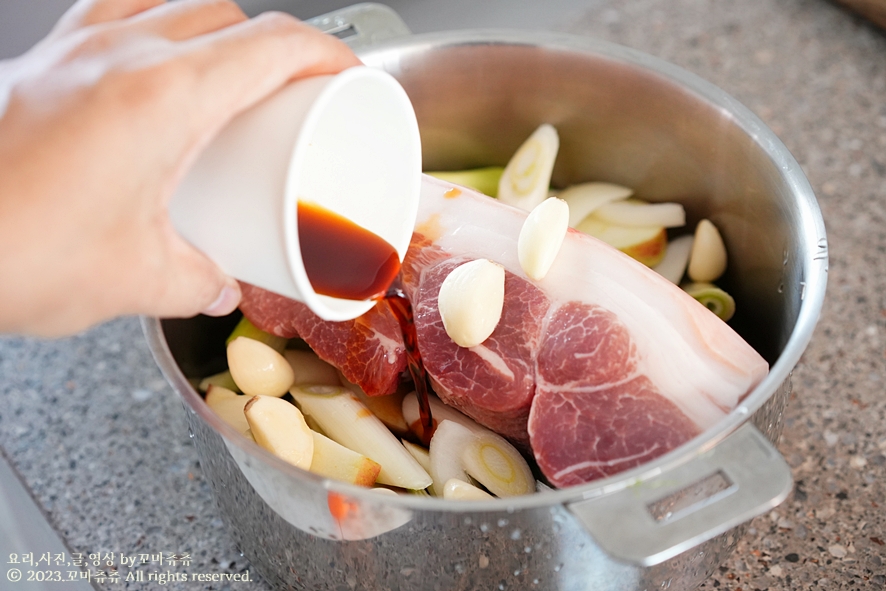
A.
pixel 347 261
pixel 401 307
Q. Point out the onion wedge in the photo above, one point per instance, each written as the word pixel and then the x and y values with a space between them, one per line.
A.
pixel 449 442
pixel 633 212
pixel 673 266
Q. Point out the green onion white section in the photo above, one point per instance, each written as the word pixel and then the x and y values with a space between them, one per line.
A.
pixel 346 420
pixel 527 176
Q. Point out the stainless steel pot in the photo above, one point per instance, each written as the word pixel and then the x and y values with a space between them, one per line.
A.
pixel 624 117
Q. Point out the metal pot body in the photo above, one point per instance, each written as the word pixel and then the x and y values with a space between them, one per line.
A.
pixel 623 117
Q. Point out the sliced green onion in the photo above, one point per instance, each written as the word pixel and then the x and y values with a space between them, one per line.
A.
pixel 713 298
pixel 247 329
pixel 527 176
pixel 484 179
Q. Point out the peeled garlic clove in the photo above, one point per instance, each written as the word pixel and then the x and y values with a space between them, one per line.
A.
pixel 527 176
pixel 542 236
pixel 585 198
pixel 471 300
pixel 280 428
pixel 258 369
pixel 633 212
pixel 707 261
pixel 673 266
pixel 459 490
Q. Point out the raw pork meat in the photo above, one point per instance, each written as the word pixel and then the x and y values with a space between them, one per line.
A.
pixel 369 350
pixel 601 366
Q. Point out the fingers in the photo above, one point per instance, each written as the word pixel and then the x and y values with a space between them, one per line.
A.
pixel 185 19
pixel 92 12
pixel 190 284
pixel 243 63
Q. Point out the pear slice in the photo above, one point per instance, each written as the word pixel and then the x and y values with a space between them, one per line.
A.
pixel 279 427
pixel 646 244
pixel 636 212
pixel 337 462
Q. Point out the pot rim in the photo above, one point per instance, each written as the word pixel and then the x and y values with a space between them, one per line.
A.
pixel 813 270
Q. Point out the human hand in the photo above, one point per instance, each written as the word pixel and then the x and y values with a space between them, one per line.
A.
pixel 98 124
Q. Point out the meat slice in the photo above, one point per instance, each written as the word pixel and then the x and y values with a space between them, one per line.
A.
pixel 594 414
pixel 493 382
pixel 369 351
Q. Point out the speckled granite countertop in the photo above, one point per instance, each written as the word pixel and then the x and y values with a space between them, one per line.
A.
pixel 102 442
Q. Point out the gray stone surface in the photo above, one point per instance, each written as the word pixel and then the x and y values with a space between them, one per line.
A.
pixel 101 440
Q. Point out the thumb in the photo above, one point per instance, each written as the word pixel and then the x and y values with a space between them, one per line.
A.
pixel 195 285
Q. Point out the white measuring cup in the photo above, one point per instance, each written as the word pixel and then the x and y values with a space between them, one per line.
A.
pixel 348 142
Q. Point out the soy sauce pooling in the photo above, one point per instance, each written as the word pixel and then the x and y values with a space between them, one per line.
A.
pixel 342 259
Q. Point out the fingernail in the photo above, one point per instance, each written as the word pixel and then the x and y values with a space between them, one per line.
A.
pixel 226 302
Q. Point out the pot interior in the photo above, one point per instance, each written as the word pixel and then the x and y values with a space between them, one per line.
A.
pixel 625 118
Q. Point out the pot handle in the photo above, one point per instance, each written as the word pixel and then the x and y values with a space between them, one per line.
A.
pixel 362 25
pixel 652 521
